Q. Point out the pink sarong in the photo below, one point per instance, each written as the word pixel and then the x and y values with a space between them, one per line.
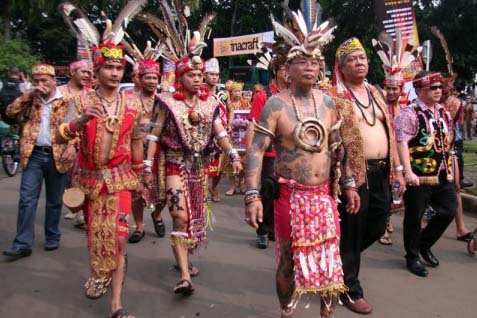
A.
pixel 308 216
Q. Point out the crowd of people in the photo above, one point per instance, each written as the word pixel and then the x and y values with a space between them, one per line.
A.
pixel 321 167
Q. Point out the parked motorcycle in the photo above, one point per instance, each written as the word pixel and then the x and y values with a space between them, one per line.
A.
pixel 10 152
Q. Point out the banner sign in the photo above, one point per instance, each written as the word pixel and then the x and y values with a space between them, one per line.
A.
pixel 239 45
pixel 398 15
pixel 239 128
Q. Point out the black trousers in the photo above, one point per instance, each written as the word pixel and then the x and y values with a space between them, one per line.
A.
pixel 268 191
pixel 443 199
pixel 361 230
pixel 459 149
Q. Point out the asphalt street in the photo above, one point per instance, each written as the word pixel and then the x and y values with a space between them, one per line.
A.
pixel 236 279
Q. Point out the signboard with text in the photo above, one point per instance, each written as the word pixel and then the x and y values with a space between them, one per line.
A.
pixel 399 15
pixel 396 15
pixel 238 45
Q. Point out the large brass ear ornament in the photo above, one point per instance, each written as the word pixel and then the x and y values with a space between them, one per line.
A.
pixel 310 135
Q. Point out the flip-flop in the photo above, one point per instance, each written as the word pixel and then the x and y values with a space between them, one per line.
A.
pixel 465 238
pixel 121 313
pixel 230 193
pixel 385 240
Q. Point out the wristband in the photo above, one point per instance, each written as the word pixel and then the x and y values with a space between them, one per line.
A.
pixel 152 138
pixel 223 134
pixel 147 163
pixel 349 182
pixel 251 191
pixel 155 125
pixel 399 168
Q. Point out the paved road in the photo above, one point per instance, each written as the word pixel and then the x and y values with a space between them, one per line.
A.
pixel 236 280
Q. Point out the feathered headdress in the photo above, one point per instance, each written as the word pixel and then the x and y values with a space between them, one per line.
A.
pixel 395 55
pixel 105 49
pixel 183 47
pixel 143 62
pixel 303 31
pixel 435 30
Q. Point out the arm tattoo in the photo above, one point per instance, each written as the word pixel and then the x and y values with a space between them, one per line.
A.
pixel 259 142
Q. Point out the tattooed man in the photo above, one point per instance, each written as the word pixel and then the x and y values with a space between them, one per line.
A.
pixel 303 125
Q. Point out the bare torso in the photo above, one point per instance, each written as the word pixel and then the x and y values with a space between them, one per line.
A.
pixel 291 161
pixel 107 139
pixel 372 126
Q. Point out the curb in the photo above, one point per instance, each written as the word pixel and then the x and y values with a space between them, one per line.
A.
pixel 469 202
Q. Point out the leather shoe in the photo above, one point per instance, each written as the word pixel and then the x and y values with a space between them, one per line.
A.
pixel 262 241
pixel 416 267
pixel 429 258
pixel 360 305
pixel 51 247
pixel 23 252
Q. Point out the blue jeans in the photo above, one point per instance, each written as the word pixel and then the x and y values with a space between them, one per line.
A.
pixel 40 166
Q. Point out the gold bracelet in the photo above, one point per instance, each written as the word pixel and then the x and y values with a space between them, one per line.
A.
pixel 63 133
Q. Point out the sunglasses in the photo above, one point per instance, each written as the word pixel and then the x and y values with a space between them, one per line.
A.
pixel 435 88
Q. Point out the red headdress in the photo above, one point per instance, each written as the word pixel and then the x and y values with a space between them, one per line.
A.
pixel 182 46
pixel 107 49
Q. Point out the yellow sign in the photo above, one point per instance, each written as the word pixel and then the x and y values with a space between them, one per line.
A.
pixel 239 45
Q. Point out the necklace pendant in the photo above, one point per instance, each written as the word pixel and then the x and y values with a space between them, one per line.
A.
pixel 111 122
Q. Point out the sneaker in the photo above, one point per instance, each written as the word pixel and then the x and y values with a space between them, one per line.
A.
pixel 262 241
pixel 70 215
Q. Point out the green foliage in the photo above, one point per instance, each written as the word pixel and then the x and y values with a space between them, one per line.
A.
pixel 15 53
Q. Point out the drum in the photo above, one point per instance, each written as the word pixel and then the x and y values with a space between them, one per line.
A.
pixel 73 199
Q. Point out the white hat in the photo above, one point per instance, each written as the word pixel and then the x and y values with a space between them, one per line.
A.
pixel 212 65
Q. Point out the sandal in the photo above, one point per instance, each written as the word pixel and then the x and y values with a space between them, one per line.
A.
pixel 385 239
pixel 183 287
pixel 230 192
pixel 215 196
pixel 159 226
pixel 136 237
pixel 122 313
pixel 465 238
pixel 193 270
pixel 96 287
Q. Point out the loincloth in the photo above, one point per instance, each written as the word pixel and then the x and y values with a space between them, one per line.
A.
pixel 107 222
pixel 308 216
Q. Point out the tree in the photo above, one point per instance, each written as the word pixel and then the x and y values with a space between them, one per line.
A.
pixel 15 53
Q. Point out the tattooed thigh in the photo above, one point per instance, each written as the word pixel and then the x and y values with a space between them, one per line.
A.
pixel 174 200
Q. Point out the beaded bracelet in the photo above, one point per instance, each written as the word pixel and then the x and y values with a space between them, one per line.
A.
pixel 252 198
